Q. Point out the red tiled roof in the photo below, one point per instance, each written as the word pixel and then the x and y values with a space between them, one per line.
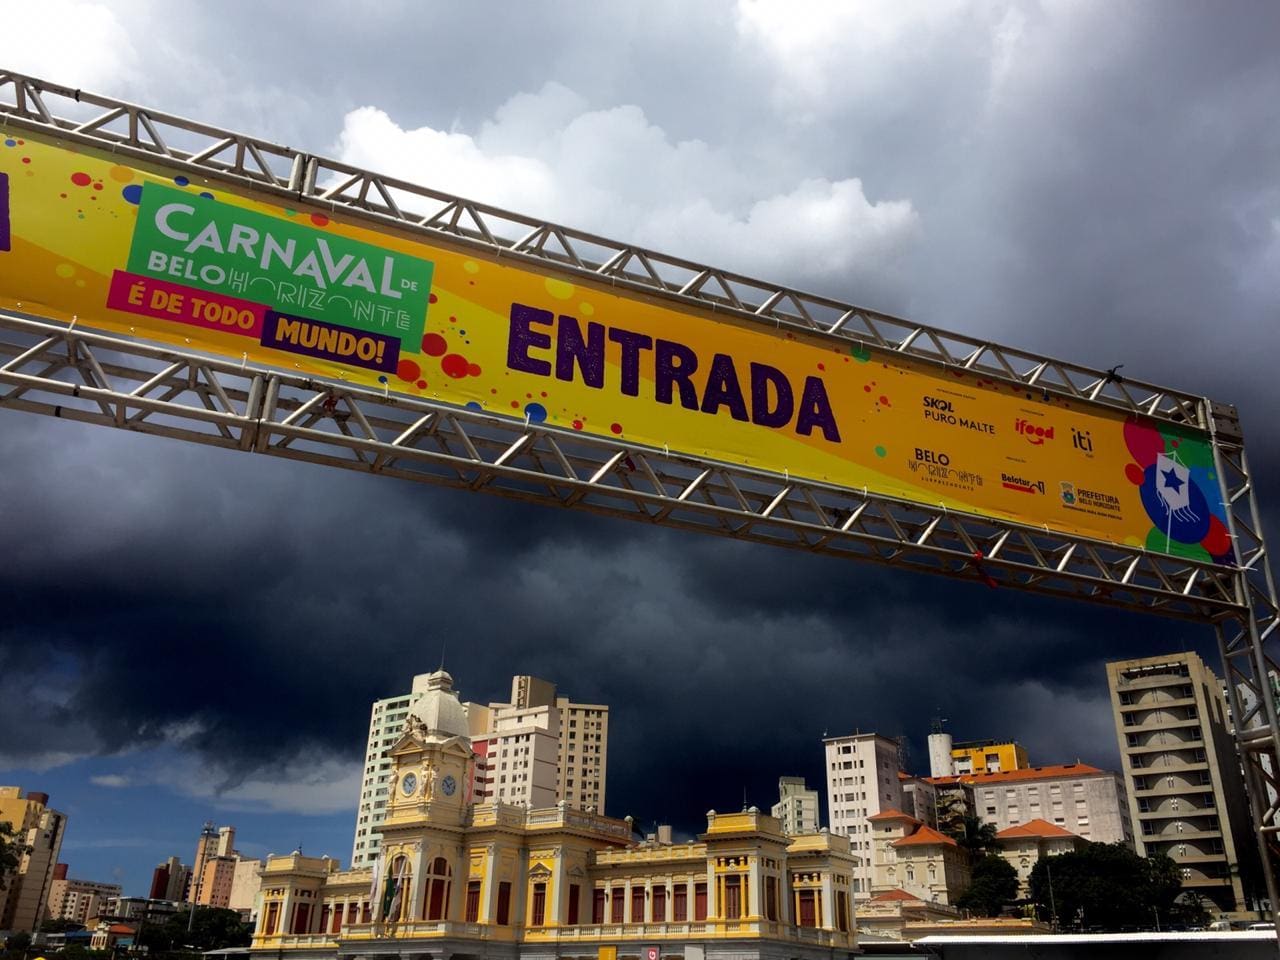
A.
pixel 922 836
pixel 892 815
pixel 1033 828
pixel 1054 772
pixel 898 894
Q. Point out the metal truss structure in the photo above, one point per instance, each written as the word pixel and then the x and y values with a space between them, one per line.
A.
pixel 66 371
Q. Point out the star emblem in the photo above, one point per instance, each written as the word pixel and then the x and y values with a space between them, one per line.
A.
pixel 1172 480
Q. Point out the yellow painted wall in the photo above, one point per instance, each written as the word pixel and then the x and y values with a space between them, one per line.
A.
pixel 1012 756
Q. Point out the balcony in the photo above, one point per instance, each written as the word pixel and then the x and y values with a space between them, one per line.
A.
pixel 1167 747
pixel 694 929
pixel 1167 791
pixel 294 941
pixel 1158 704
pixel 1176 766
pixel 426 929
pixel 1154 681
pixel 1185 813
pixel 1161 723
pixel 1172 836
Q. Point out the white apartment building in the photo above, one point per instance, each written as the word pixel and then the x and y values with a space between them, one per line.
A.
pixel 535 750
pixel 77 900
pixel 797 807
pixel 540 749
pixel 862 780
pixel 386 721
pixel 1082 799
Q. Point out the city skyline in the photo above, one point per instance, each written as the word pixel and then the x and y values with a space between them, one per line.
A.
pixel 196 634
pixel 108 856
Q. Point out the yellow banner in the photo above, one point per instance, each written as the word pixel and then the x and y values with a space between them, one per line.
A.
pixel 136 250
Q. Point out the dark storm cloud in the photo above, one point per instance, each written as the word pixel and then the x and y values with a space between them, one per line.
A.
pixel 1111 199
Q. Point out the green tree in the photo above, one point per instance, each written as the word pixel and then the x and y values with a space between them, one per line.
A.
pixel 59 925
pixel 1105 886
pixel 994 883
pixel 951 811
pixel 18 942
pixel 1188 911
pixel 976 838
pixel 11 849
pixel 212 929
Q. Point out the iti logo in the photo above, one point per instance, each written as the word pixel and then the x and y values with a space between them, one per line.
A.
pixel 4 211
pixel 1082 440
pixel 1035 435
pixel 1068 492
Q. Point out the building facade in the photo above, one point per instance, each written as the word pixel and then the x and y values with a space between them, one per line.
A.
pixel 538 749
pixel 215 856
pixel 77 900
pixel 912 857
pixel 862 780
pixel 988 756
pixel 169 880
pixel 492 880
pixel 1023 846
pixel 1186 790
pixel 245 884
pixel 1075 796
pixel 797 807
pixel 24 896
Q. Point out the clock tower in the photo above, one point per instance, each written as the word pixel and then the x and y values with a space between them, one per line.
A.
pixel 427 799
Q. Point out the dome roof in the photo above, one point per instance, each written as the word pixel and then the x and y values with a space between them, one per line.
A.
pixel 438 709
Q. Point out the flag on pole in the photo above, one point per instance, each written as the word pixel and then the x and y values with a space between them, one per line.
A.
pixel 393 910
pixel 1173 485
pixel 377 874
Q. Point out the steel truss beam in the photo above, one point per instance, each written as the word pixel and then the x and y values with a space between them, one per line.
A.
pixel 67 372
pixel 201 150
pixel 72 373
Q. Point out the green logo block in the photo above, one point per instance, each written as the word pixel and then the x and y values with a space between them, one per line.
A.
pixel 296 269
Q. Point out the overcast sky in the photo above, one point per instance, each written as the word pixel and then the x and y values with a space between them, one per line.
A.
pixel 192 634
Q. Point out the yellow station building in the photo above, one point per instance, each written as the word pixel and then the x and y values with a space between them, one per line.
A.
pixel 491 880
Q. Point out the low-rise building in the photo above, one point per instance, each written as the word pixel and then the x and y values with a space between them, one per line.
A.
pixel 1023 846
pixel 914 857
pixel 893 912
pixel 108 936
pixel 77 900
pixel 1076 796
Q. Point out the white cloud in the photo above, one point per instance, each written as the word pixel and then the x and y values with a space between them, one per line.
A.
pixel 112 780
pixel 71 42
pixel 613 172
pixel 309 784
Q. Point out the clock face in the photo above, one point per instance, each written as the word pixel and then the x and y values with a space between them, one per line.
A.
pixel 409 784
pixel 448 785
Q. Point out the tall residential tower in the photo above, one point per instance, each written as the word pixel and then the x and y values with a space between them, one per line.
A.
pixel 1186 792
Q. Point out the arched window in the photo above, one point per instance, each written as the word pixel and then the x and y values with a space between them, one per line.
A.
pixel 933 872
pixel 401 877
pixel 435 904
pixel 911 874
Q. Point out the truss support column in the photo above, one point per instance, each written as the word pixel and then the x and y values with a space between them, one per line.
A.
pixel 1243 635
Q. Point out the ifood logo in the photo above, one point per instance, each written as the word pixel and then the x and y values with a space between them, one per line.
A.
pixel 1035 435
